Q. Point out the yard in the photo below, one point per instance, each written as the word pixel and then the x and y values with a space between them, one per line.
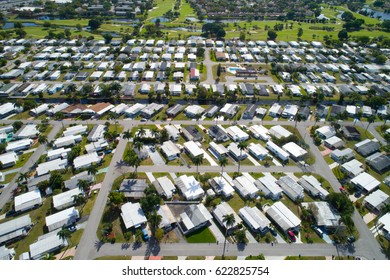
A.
pixel 203 235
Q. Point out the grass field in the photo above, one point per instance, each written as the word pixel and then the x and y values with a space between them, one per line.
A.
pixel 185 11
pixel 162 6
pixel 201 236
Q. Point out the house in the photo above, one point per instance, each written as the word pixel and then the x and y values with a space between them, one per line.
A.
pixel 39 110
pixel 168 221
pixel 221 186
pixel 164 187
pixel 324 215
pixel 74 110
pixel 367 147
pixel 379 162
pixel 220 211
pixel 72 183
pixel 173 132
pixel 236 153
pixel 151 110
pixel 97 133
pixel 15 146
pixel 132 215
pixel 259 132
pixel 6 254
pixel 218 133
pixel 267 185
pixel 7 109
pixel 27 131
pixel 191 133
pixel 291 188
pixel 15 229
pixel 57 108
pixel 47 167
pixel 342 156
pixel 174 110
pixel 334 142
pixel 277 151
pixel 337 110
pixel 295 151
pixel 211 111
pixel 229 110
pixel 194 74
pixel 32 182
pixel 352 168
pixel 194 216
pixel 290 111
pixel 218 150
pixel 134 110
pixel 350 133
pixel 46 244
pixel 283 217
pixel 236 134
pixel 65 218
pixel 255 219
pixel 66 199
pixel 99 109
pixel 376 200
pixel 278 132
pixel 27 201
pixel 313 186
pixel 86 160
pixel 365 182
pixel 97 146
pixel 8 159
pixel 258 151
pixel 170 150
pixel 245 187
pixel 250 112
pixel 326 132
pixel 74 130
pixel 133 188
pixel 193 149
pixel 193 111
pixel 384 224
pixel 189 187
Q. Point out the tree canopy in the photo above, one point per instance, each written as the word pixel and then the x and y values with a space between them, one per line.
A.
pixel 341 203
pixel 213 30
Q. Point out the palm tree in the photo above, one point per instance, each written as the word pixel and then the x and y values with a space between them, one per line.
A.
pixel 154 220
pixel 141 132
pixel 316 119
pixel 127 135
pixel 241 146
pixel 23 177
pixel 370 120
pixel 132 159
pixel 42 139
pixel 137 146
pixel 83 185
pixel 64 234
pixel 92 170
pixel 108 135
pixel 155 132
pixel 223 161
pixel 298 118
pixel 197 161
pixel 229 221
pixel 78 199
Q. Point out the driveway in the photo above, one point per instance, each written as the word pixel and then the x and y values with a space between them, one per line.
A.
pixel 155 156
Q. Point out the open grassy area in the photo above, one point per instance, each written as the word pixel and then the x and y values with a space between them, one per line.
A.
pixel 305 258
pixel 185 11
pixel 203 235
pixel 162 6
pixel 169 258
pixel 228 258
pixel 196 258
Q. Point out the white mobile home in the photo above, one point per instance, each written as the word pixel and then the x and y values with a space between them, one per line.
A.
pixel 277 151
pixel 255 219
pixel 27 131
pixel 268 186
pixel 47 167
pixel 279 131
pixel 283 217
pixel 19 145
pixel 189 187
pixel 291 188
pixel 45 245
pixel 65 199
pixel 258 151
pixel 295 151
pixel 193 149
pixel 132 215
pixel 223 209
pixel 67 141
pixel 221 186
pixel 74 130
pixel 15 229
pixel 165 187
pixel 66 218
pixel 245 187
pixel 259 132
pixel 57 153
pixel 8 159
pixel 87 160
pixel 28 201
pixel 236 134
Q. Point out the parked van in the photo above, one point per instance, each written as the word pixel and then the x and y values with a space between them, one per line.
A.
pixel 319 232
pixel 292 236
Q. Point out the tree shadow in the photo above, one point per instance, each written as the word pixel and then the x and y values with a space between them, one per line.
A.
pixel 119 164
pixel 137 245
pixel 241 246
pixel 125 246
pixel 153 248
pixel 98 244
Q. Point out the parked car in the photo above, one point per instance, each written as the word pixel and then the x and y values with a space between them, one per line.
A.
pixel 351 239
pixel 145 234
pixel 291 236
pixel 273 232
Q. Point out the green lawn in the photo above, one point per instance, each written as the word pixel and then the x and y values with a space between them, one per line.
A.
pixel 236 202
pixel 169 258
pixel 185 11
pixel 162 6
pixel 196 258
pixel 228 258
pixel 120 258
pixel 203 235
pixel 305 258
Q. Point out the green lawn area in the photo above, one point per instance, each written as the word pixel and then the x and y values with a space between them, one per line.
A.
pixel 236 202
pixel 203 235
pixel 305 258
pixel 185 11
pixel 196 258
pixel 22 116
pixel 228 258
pixel 169 258
pixel 162 6
pixel 222 78
pixel 75 238
pixel 87 209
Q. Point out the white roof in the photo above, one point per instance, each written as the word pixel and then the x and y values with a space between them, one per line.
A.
pixel 224 186
pixel 385 221
pixel 194 110
pixel 193 148
pixel 119 109
pixel 65 197
pixel 135 109
pixel 11 146
pixel 219 148
pixel 73 130
pixel 259 131
pixel 86 160
pixel 42 246
pixel 279 131
pixel 40 109
pixel 132 215
pixel 67 140
pixel 276 149
pixel 169 148
pixel 223 209
pixel 334 140
pixel 294 150
pixel 353 166
pixel 327 131
pixel 366 181
pixel 28 197
pixel 27 131
pixel 190 187
pixel 10 157
pixel 98 133
pixel 46 167
pixel 256 219
pixel 167 185
pixel 257 149
pixel 377 198
pixel 64 215
pixel 236 133
pixel 283 216
pixel 269 182
pixel 244 186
